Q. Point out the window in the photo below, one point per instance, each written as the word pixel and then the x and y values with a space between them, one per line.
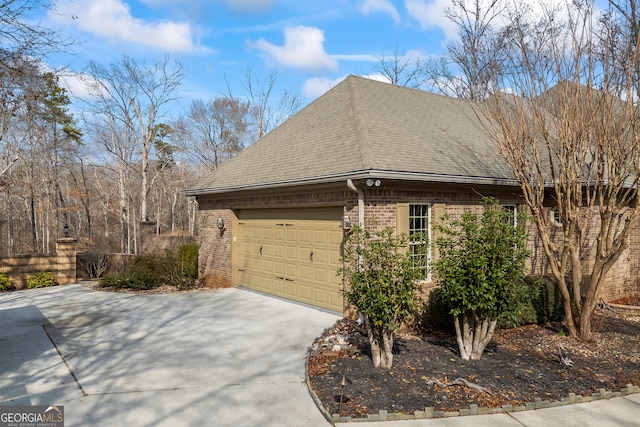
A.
pixel 513 214
pixel 419 236
pixel 556 217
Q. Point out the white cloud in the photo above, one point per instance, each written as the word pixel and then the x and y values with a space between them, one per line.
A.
pixel 359 57
pixel 318 86
pixel 378 77
pixel 250 5
pixel 303 48
pixel 112 20
pixel 430 14
pixel 367 7
pixel 76 85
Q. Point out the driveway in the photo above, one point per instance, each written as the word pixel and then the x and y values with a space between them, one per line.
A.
pixel 216 358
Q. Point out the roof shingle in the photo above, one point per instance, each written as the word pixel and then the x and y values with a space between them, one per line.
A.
pixel 365 126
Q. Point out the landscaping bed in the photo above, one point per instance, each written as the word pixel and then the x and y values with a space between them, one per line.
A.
pixel 517 367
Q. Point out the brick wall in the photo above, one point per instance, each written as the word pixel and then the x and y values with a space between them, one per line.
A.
pixel 380 206
pixel 62 264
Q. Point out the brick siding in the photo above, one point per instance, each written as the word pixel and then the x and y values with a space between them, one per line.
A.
pixel 380 208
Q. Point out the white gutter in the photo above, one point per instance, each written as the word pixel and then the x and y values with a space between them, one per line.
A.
pixel 360 193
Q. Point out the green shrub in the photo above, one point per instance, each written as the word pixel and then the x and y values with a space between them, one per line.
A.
pixel 143 273
pixel 381 281
pixel 110 280
pixel 520 308
pixel 437 314
pixel 179 269
pixel 41 280
pixel 5 283
pixel 482 257
pixel 547 300
pixel 188 259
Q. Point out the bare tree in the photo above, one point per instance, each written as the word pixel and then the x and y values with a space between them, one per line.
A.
pixel 472 60
pixel 562 113
pixel 214 131
pixel 266 113
pixel 132 96
pixel 401 69
pixel 21 36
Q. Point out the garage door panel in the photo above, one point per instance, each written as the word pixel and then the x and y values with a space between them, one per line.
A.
pixel 304 236
pixel 304 273
pixel 292 253
pixel 278 287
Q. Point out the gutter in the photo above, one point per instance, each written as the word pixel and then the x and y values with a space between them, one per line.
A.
pixel 351 186
pixel 363 174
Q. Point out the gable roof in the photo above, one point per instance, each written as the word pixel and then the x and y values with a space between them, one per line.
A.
pixel 364 128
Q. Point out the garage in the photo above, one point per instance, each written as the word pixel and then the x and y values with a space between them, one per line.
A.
pixel 292 253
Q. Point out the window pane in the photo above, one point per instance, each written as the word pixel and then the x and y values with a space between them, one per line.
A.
pixel 418 233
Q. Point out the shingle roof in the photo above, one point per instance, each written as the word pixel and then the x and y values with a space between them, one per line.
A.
pixel 364 128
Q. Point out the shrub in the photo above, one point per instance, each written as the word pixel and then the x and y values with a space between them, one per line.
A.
pixel 94 263
pixel 179 269
pixel 188 259
pixel 5 283
pixel 381 281
pixel 437 313
pixel 520 308
pixel 110 280
pixel 43 279
pixel 482 257
pixel 547 300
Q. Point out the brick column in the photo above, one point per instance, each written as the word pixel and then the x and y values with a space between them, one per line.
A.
pixel 147 229
pixel 66 262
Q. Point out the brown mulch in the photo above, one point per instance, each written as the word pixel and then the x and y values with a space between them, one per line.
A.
pixel 517 367
pixel 162 289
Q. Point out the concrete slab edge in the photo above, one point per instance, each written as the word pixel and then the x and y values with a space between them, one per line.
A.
pixel 307 380
pixel 429 412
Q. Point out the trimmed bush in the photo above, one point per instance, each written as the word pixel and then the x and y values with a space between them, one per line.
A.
pixel 179 269
pixel 188 258
pixel 5 283
pixel 43 279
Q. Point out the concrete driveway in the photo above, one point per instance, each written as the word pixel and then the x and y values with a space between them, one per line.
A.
pixel 217 358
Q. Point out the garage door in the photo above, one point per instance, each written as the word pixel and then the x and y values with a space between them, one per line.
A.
pixel 292 254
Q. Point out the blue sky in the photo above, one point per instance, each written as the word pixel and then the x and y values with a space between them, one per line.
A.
pixel 313 44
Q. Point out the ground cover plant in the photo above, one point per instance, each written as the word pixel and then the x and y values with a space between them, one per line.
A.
pixel 42 279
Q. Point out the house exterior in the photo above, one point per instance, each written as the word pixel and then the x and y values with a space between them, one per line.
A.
pixel 271 219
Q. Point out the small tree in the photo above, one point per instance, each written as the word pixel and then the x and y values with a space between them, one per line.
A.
pixel 380 280
pixel 481 258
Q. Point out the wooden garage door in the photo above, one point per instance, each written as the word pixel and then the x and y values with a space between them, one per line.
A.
pixel 292 254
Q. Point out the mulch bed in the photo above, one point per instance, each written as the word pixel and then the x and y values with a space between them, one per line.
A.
pixel 518 366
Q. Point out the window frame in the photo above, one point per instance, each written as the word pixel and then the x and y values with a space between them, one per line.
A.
pixel 512 208
pixel 427 230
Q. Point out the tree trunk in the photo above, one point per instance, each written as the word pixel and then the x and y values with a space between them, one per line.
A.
pixel 381 342
pixel 473 334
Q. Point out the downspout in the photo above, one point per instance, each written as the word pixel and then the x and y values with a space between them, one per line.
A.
pixel 360 193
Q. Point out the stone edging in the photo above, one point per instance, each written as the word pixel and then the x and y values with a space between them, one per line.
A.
pixel 430 413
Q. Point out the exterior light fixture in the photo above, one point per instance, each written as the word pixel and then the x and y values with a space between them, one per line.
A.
pixel 346 223
pixel 371 183
pixel 65 228
pixel 220 223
